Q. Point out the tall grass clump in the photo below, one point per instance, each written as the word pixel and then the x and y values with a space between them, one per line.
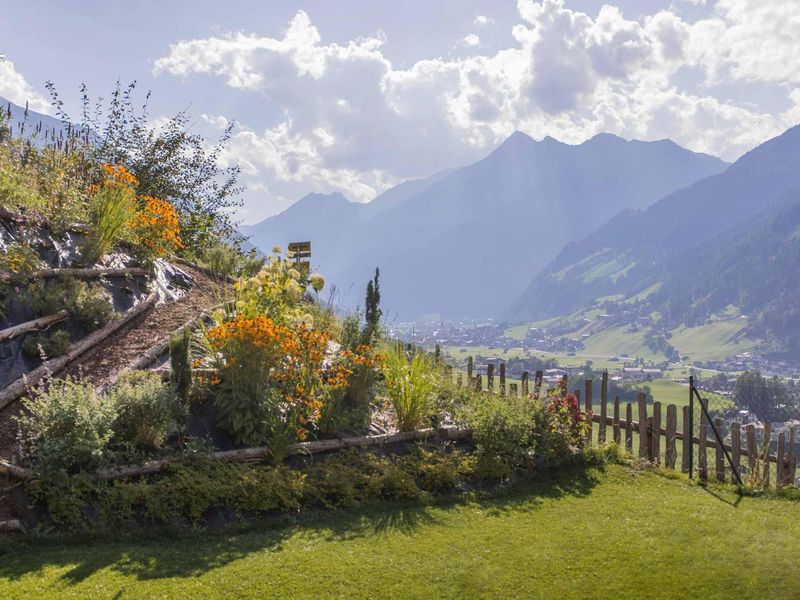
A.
pixel 410 384
pixel 112 210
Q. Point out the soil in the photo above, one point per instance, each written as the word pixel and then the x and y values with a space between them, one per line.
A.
pixel 120 349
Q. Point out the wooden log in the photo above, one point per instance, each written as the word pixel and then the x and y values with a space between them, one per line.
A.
pixel 19 387
pixel 601 434
pixel 702 450
pixel 719 463
pixel 765 449
pixel 537 383
pixel 513 390
pixel 502 379
pixel 588 406
pixel 752 449
pixel 490 378
pixel 34 325
pixel 615 424
pixel 686 441
pixel 656 433
pixel 14 471
pixel 629 428
pixel 525 384
pixel 781 454
pixel 643 441
pixel 736 445
pixel 470 364
pixel 315 447
pixel 11 525
pixel 672 428
pixel 80 273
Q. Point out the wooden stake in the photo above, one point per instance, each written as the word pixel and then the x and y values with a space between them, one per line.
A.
pixel 687 442
pixel 628 428
pixel 752 449
pixel 615 426
pixel 656 432
pixel 643 441
pixel 502 379
pixel 587 404
pixel 470 365
pixel 490 378
pixel 767 442
pixel 719 467
pixel 736 447
pixel 781 466
pixel 525 390
pixel 672 428
pixel 702 451
pixel 601 434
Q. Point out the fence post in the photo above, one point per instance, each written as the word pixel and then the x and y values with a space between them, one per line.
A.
pixel 525 390
pixel 601 433
pixel 781 467
pixel 702 450
pixel 478 383
pixel 512 390
pixel 792 474
pixel 643 441
pixel 629 428
pixel 656 432
pixel 537 383
pixel 719 465
pixel 672 428
pixel 437 353
pixel 766 445
pixel 587 407
pixel 502 379
pixel 752 449
pixel 736 445
pixel 687 441
pixel 470 366
pixel 490 378
pixel 615 426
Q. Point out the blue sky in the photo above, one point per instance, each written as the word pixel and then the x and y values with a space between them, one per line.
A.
pixel 356 96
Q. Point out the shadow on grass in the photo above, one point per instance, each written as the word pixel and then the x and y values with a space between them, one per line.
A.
pixel 188 554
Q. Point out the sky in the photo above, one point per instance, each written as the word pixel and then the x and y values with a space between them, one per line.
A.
pixel 357 96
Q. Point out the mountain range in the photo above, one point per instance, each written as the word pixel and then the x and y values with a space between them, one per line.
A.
pixel 465 242
pixel 729 240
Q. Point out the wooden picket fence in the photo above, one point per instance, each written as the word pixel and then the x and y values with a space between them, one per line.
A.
pixel 660 433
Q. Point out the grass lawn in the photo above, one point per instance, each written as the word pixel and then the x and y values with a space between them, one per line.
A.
pixel 581 534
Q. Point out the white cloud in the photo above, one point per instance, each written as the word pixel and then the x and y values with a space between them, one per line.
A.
pixel 472 39
pixel 13 87
pixel 481 20
pixel 354 122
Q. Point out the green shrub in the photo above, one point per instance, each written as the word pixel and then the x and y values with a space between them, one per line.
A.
pixel 50 344
pixel 230 261
pixel 507 432
pixel 148 411
pixel 67 426
pixel 89 305
pixel 410 385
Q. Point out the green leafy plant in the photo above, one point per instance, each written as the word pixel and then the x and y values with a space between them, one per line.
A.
pixel 410 384
pixel 148 411
pixel 67 426
pixel 89 305
pixel 51 344
pixel 180 362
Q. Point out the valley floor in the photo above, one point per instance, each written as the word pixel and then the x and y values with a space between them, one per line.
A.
pixel 620 533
